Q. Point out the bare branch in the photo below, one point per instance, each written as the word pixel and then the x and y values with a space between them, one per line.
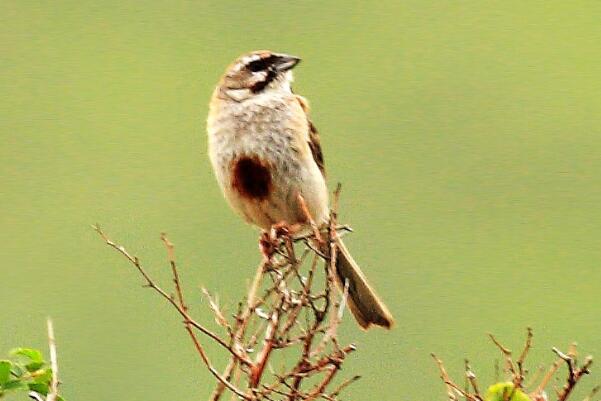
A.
pixel 342 386
pixel 508 359
pixel 522 358
pixel 310 219
pixel 471 377
pixel 446 379
pixel 180 307
pixel 214 305
pixel 575 373
pixel 188 322
pixel 285 308
pixel 547 378
pixel 517 376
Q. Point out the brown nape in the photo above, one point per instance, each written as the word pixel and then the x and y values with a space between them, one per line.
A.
pixel 251 177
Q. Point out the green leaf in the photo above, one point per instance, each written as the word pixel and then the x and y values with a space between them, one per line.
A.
pixel 14 385
pixel 59 398
pixel 500 392
pixel 33 354
pixel 41 388
pixel 33 366
pixel 4 371
pixel 18 370
pixel 44 376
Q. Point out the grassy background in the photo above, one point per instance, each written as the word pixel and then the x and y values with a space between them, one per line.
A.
pixel 466 136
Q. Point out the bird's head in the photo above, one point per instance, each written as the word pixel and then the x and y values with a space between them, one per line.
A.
pixel 258 72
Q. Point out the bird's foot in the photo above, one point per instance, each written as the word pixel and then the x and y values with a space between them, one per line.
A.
pixel 280 234
pixel 284 233
pixel 284 229
pixel 267 246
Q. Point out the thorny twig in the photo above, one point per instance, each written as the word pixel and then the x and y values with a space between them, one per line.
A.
pixel 188 321
pixel 517 376
pixel 522 358
pixel 575 373
pixel 507 354
pixel 471 377
pixel 451 387
pixel 270 318
pixel 151 284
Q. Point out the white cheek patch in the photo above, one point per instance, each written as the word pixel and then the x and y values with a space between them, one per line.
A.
pixel 261 75
pixel 281 83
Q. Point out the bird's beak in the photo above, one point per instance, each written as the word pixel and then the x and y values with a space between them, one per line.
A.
pixel 285 62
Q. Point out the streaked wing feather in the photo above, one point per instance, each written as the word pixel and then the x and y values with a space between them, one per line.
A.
pixel 315 146
pixel 314 142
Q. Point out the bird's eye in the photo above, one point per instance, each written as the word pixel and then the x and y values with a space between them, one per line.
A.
pixel 258 65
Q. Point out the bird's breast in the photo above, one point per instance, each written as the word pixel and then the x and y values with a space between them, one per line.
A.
pixel 255 136
pixel 262 161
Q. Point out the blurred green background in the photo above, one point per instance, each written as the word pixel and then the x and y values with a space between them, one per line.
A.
pixel 466 135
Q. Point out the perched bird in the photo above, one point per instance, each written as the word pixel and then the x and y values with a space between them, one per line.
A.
pixel 266 152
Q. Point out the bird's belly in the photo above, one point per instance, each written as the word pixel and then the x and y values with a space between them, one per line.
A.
pixel 260 192
pixel 266 191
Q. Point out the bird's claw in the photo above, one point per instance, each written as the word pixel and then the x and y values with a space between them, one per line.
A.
pixel 279 233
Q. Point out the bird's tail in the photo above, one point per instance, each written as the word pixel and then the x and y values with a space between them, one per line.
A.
pixel 362 300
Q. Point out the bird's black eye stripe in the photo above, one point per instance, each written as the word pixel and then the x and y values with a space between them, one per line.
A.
pixel 258 65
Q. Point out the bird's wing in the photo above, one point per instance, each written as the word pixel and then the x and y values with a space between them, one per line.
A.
pixel 314 142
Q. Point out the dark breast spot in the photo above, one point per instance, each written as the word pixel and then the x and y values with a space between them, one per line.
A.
pixel 251 177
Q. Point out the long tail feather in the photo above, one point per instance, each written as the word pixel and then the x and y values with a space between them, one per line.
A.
pixel 363 302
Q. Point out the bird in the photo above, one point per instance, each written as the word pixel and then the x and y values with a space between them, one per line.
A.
pixel 267 158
